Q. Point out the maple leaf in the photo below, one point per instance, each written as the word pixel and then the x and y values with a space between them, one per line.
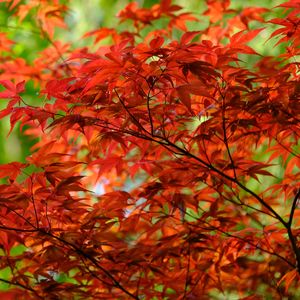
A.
pixel 240 39
pixel 12 91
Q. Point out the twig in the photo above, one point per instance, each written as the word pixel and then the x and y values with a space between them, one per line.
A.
pixel 94 262
pixel 294 205
pixel 18 284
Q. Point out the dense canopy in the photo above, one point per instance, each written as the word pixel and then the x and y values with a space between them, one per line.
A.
pixel 165 158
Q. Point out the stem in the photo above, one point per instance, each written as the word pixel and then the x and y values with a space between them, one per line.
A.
pixel 295 248
pixel 18 284
pixel 295 201
pixel 292 238
pixel 234 180
pixel 94 262
pixel 236 237
pixel 187 271
pixel 225 136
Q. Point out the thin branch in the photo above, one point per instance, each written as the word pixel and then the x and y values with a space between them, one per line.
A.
pixel 2 227
pixel 18 284
pixel 135 121
pixel 294 205
pixel 187 271
pixel 47 37
pixel 290 232
pixel 93 273
pixel 287 149
pixel 166 143
pixel 94 262
pixel 19 215
pixel 33 203
pixel 234 180
pixel 149 113
pixel 295 248
pixel 236 237
pixel 225 136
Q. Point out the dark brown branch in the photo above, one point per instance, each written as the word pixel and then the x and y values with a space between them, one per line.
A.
pixel 33 203
pixel 134 120
pixel 290 232
pixel 229 178
pixel 225 136
pixel 237 237
pixel 294 205
pixel 295 248
pixel 94 262
pixel 18 284
pixel 2 227
pixel 187 271
pixel 287 149
pixel 47 37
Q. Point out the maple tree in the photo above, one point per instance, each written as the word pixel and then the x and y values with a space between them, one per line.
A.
pixel 166 164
